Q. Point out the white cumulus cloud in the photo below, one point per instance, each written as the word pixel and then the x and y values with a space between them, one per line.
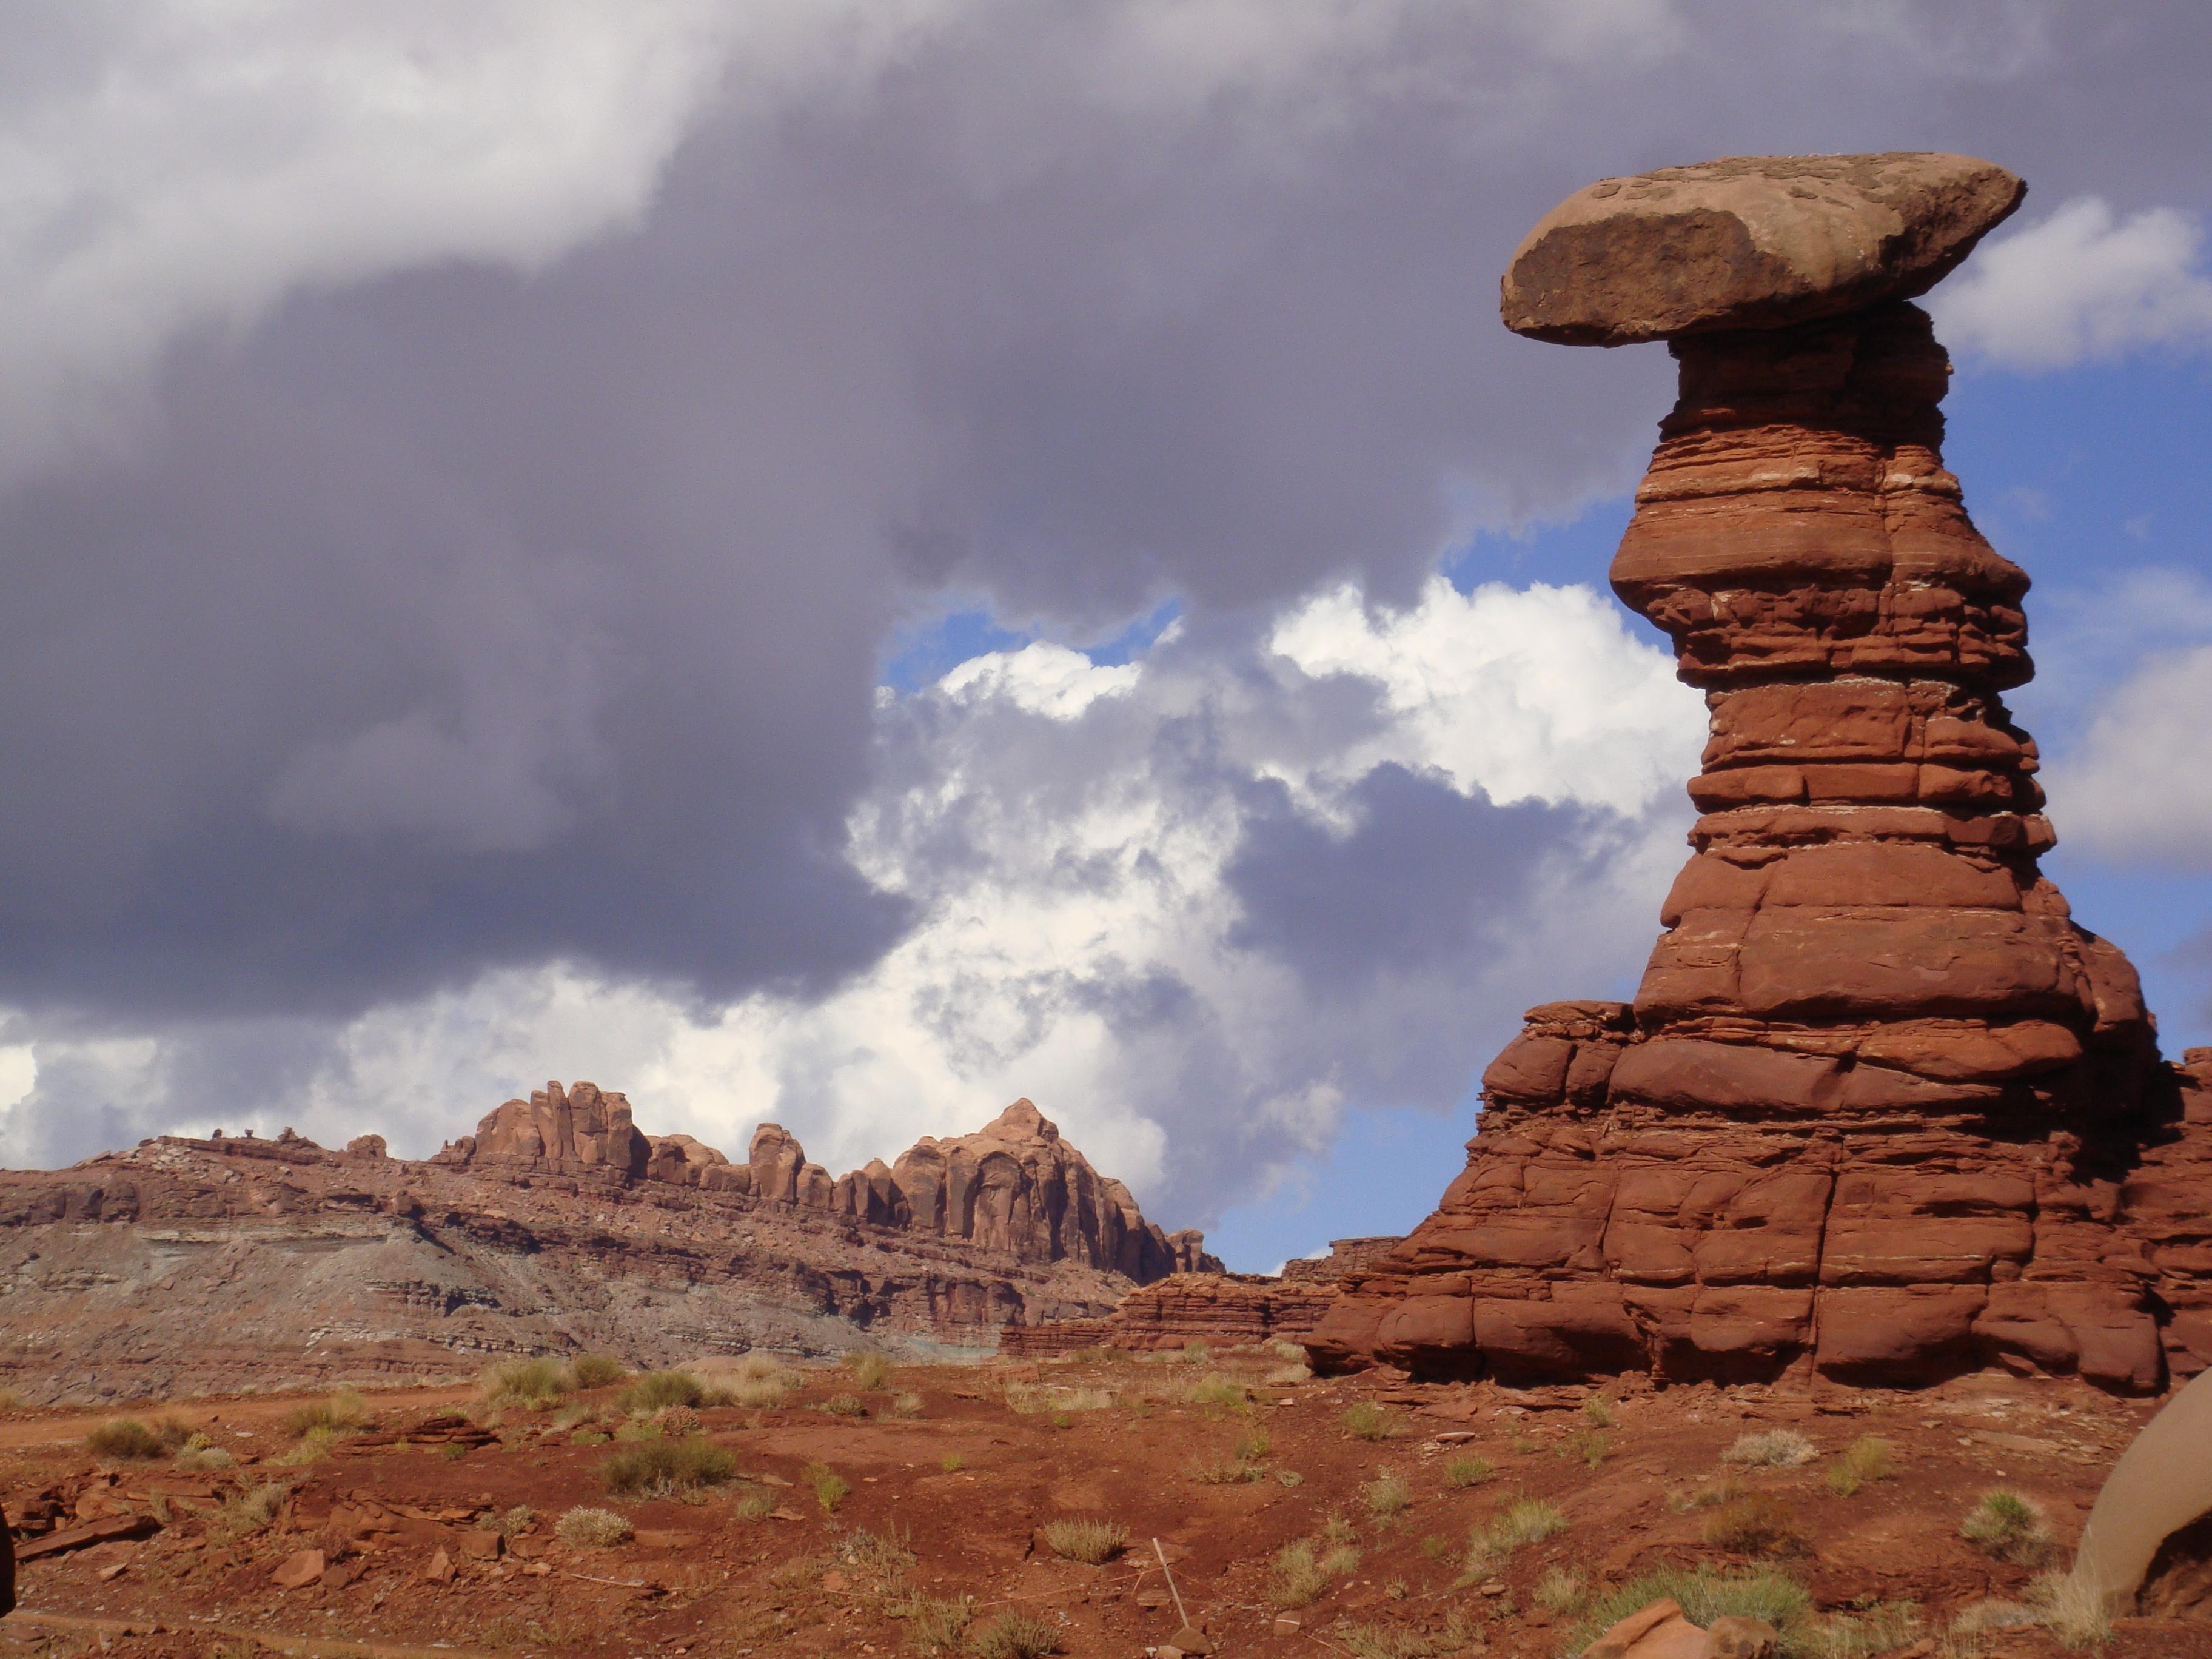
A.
pixel 2084 285
pixel 2137 786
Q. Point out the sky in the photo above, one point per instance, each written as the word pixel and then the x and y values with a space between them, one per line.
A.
pixel 842 563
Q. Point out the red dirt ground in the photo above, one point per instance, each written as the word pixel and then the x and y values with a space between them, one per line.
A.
pixel 967 1483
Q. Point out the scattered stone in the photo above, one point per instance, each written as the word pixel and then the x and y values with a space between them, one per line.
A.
pixel 440 1568
pixel 300 1570
pixel 1739 1637
pixel 1191 1641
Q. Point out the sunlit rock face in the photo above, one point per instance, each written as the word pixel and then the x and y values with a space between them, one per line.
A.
pixel 1880 1111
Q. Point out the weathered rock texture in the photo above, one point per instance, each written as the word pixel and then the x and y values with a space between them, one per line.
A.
pixel 1013 1186
pixel 1880 1109
pixel 192 1265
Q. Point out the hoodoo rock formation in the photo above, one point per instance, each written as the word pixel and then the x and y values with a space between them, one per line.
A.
pixel 1881 1110
pixel 209 1264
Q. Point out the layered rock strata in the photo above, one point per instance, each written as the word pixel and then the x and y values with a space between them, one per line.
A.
pixel 1014 1186
pixel 195 1264
pixel 1881 1110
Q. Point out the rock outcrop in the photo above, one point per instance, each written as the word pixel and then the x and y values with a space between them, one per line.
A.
pixel 1881 1110
pixel 197 1265
pixel 1014 1186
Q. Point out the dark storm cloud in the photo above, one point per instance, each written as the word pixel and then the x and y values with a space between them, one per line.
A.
pixel 460 618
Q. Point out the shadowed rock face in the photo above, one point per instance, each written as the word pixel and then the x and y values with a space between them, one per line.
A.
pixel 1759 241
pixel 1880 1108
pixel 1014 1186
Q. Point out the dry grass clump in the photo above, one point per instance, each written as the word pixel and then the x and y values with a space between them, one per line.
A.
pixel 1709 1496
pixel 1559 1590
pixel 129 1439
pixel 870 1371
pixel 1523 1522
pixel 761 1383
pixel 1287 1376
pixel 1032 1397
pixel 1215 1389
pixel 2075 1612
pixel 1756 1525
pixel 1471 1470
pixel 884 1555
pixel 586 1528
pixel 661 1466
pixel 1295 1578
pixel 658 1390
pixel 1866 1461
pixel 1089 1541
pixel 595 1370
pixel 1015 1635
pixel 246 1511
pixel 934 1623
pixel 1598 1410
pixel 2009 1528
pixel 1591 1445
pixel 527 1385
pixel 1386 1494
pixel 754 1503
pixel 199 1453
pixel 830 1487
pixel 1364 1419
pixel 842 1405
pixel 906 1403
pixel 1774 1449
pixel 344 1412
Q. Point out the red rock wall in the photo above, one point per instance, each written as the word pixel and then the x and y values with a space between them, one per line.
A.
pixel 1880 1109
pixel 1220 1310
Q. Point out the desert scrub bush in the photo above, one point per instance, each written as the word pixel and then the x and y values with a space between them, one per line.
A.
pixel 509 1523
pixel 525 1384
pixel 1705 1596
pixel 1386 1494
pixel 314 1446
pixel 2075 1612
pixel 1287 1376
pixel 1384 1642
pixel 1758 1524
pixel 1775 1448
pixel 1253 1446
pixel 1089 1541
pixel 1364 1419
pixel 870 1371
pixel 1865 1461
pixel 934 1623
pixel 1031 1398
pixel 1598 1410
pixel 1216 1390
pixel 830 1487
pixel 200 1453
pixel 1226 1471
pixel 1559 1590
pixel 247 1511
pixel 1295 1577
pixel 842 1405
pixel 595 1370
pixel 1015 1635
pixel 127 1438
pixel 658 1468
pixel 681 1420
pixel 1469 1471
pixel 2009 1528
pixel 1863 1633
pixel 588 1435
pixel 906 1403
pixel 1335 1529
pixel 884 1555
pixel 1710 1496
pixel 342 1414
pixel 1591 1445
pixel 658 1390
pixel 1525 1521
pixel 1527 1445
pixel 1341 1561
pixel 952 1463
pixel 587 1527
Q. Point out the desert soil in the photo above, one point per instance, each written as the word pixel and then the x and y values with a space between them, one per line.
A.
pixel 955 1473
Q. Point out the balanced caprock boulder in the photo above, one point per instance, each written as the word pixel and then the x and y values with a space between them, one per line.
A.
pixel 1881 1110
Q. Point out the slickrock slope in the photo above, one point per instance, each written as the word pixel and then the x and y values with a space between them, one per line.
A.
pixel 188 1264
pixel 1881 1109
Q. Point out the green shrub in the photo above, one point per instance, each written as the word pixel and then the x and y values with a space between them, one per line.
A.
pixel 525 1384
pixel 586 1528
pixel 1365 1420
pixel 657 1468
pixel 595 1370
pixel 2008 1527
pixel 1523 1522
pixel 658 1390
pixel 1867 1461
pixel 1089 1541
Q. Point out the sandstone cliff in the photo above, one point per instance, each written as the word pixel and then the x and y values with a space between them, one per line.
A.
pixel 187 1265
pixel 1881 1110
